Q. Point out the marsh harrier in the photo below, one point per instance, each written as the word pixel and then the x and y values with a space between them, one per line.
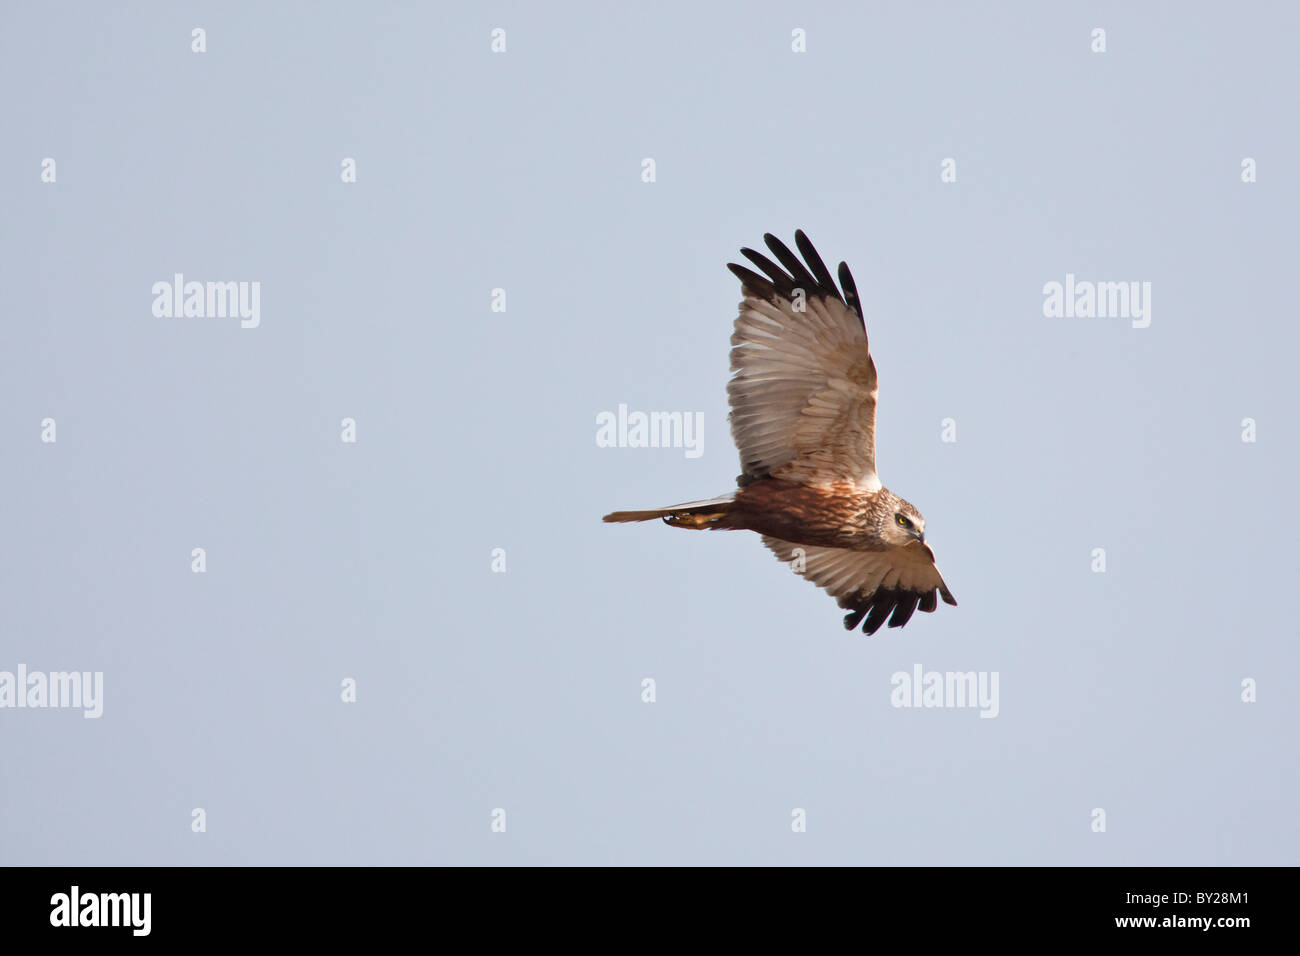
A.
pixel 803 415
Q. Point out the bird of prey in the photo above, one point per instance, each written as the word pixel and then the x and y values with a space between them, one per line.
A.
pixel 803 416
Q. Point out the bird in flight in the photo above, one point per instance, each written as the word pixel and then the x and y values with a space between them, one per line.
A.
pixel 803 416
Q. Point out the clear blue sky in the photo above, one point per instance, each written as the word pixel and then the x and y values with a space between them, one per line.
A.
pixel 372 560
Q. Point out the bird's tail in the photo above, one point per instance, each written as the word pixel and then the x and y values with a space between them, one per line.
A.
pixel 692 514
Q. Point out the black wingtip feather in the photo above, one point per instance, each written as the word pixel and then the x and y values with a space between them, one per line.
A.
pixel 751 280
pixel 792 273
pixel 780 281
pixel 798 271
pixel 850 290
pixel 893 605
pixel 815 263
pixel 904 610
pixel 884 604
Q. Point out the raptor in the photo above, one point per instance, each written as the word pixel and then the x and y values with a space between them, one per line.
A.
pixel 803 416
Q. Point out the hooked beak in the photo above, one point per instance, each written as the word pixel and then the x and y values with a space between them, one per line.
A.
pixel 920 536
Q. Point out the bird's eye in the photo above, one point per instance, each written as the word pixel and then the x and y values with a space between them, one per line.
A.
pixel 903 522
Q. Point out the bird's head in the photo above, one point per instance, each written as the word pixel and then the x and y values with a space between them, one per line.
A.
pixel 903 524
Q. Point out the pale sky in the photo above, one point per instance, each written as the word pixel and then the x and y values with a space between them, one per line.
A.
pixel 371 561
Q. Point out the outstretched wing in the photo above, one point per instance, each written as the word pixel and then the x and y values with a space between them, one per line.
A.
pixel 875 585
pixel 803 397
